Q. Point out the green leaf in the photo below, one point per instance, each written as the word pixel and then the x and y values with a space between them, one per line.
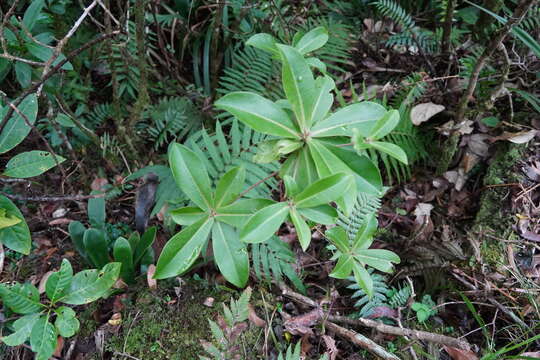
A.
pixel 90 285
pixel 298 84
pixel 301 167
pixel 344 267
pixel 390 149
pixel 363 278
pixel 123 254
pixel 23 74
pixel 66 323
pixel 190 175
pixel 229 186
pixel 22 299
pixel 32 13
pixel 323 99
pixel 265 42
pixel 230 254
pixel 16 237
pixel 313 40
pixel 324 191
pixel 259 113
pixel 239 212
pixel 142 247
pixel 58 282
pixel 322 214
pixel 364 235
pixel 96 247
pixel 338 237
pixel 23 327
pixel 44 54
pixel 76 231
pixel 264 223
pixel 43 338
pixel 302 229
pixel 361 116
pixel 291 187
pixel 379 259
pixel 97 212
pixel 183 249
pixel 187 215
pixel 7 220
pixel 491 121
pixel 16 128
pixel 31 163
pixel 385 125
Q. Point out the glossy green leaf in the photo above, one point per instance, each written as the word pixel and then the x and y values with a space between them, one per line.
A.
pixel 324 191
pixel 23 74
pixel 23 327
pixel 230 254
pixel 97 212
pixel 31 163
pixel 265 42
pixel 361 116
pixel 190 175
pixel 259 113
pixel 313 40
pixel 90 285
pixel 21 298
pixel 344 267
pixel 385 125
pixel 123 254
pixel 32 13
pixel 322 214
pixel 379 259
pixel 323 99
pixel 187 215
pixel 291 187
pixel 16 129
pixel 144 245
pixel 43 338
pixel 316 64
pixel 66 323
pixel 364 236
pixel 390 149
pixel 363 279
pixel 96 247
pixel 298 84
pixel 301 167
pixel 229 186
pixel 44 54
pixel 15 237
pixel 59 281
pixel 338 237
pixel 264 223
pixel 76 231
pixel 183 249
pixel 239 212
pixel 302 229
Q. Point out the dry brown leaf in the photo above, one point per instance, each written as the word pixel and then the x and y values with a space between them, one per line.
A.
pixel 521 137
pixel 209 302
pixel 99 184
pixel 423 112
pixel 43 281
pixel 459 354
pixel 152 283
pixel 301 325
pixel 59 347
pixel 254 318
pixel 61 221
pixel 331 346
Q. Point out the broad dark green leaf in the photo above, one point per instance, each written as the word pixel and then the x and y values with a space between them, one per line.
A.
pixel 323 99
pixel 323 214
pixel 123 254
pixel 23 74
pixel 301 167
pixel 90 285
pixel 313 40
pixel 31 163
pixel 43 338
pixel 363 279
pixel 66 323
pixel 23 327
pixel 96 211
pixel 230 254
pixel 361 116
pixel 187 215
pixel 259 113
pixel 142 247
pixel 16 128
pixel 298 84
pixel 265 42
pixel 302 229
pixel 16 237
pixel 76 231
pixel 239 212
pixel 32 14
pixel 229 186
pixel 21 298
pixel 59 281
pixel 324 190
pixel 183 249
pixel 264 223
pixel 190 175
pixel 96 247
pixel 44 54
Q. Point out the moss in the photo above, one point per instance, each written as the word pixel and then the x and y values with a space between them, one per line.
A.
pixel 157 327
pixel 493 221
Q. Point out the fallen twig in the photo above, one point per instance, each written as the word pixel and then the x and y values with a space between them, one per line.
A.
pixel 51 198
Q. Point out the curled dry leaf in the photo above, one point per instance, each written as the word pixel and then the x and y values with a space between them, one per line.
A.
pixel 254 318
pixel 521 137
pixel 152 283
pixel 331 346
pixel 61 221
pixel 209 302
pixel 459 354
pixel 423 112
pixel 301 325
pixel 43 281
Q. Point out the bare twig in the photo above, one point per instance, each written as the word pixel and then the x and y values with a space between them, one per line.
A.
pixel 447 26
pixel 257 184
pixel 51 198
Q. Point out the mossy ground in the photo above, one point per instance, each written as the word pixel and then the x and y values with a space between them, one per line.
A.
pixel 158 325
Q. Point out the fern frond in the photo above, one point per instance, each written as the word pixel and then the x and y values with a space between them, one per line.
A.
pixel 366 205
pixel 399 297
pixel 364 303
pixel 99 114
pixel 394 11
pixel 274 260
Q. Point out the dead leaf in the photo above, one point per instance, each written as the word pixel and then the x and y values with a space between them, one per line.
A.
pixel 457 178
pixel 152 283
pixel 254 318
pixel 209 302
pixel 301 325
pixel 43 281
pixel 58 213
pixel 61 221
pixel 521 137
pixel 459 354
pixel 535 354
pixel 423 112
pixel 331 346
pixel 59 347
pixel 115 320
pixel 99 184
